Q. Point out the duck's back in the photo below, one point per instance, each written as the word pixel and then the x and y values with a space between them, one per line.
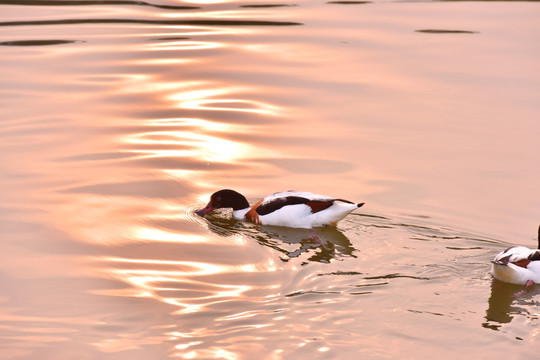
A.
pixel 302 209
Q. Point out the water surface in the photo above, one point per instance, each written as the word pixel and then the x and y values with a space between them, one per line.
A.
pixel 120 118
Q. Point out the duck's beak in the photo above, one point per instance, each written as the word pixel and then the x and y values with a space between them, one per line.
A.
pixel 205 211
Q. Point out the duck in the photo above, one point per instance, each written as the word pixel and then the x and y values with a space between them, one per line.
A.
pixel 290 208
pixel 518 265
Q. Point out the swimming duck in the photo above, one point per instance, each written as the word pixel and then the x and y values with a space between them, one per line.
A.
pixel 290 208
pixel 518 265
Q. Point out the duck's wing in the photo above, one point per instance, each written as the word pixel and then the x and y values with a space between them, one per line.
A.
pixel 517 255
pixel 302 194
pixel 277 201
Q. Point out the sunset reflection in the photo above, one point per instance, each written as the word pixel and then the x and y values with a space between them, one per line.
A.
pixel 120 118
pixel 187 285
pixel 213 93
pixel 208 1
pixel 151 234
pixel 191 138
pixel 183 45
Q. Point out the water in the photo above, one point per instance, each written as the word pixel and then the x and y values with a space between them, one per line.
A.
pixel 120 118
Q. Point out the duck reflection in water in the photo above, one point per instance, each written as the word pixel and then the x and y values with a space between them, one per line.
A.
pixel 506 301
pixel 322 244
pixel 325 243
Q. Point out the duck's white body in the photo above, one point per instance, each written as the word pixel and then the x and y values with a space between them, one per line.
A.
pixel 517 265
pixel 299 215
pixel 290 208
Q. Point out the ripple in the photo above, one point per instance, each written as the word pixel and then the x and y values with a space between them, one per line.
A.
pixel 93 2
pixel 311 292
pixel 310 166
pixel 396 276
pixel 441 31
pixel 194 22
pixel 184 44
pixel 143 188
pixel 267 5
pixel 190 286
pixel 38 42
pixel 341 273
pixel 99 156
pixel 349 2
pixel 188 214
pixel 176 38
pixel 425 312
pixel 240 105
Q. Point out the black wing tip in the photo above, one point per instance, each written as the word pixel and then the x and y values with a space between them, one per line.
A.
pixel 349 202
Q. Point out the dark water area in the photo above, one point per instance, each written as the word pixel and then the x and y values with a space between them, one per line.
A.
pixel 120 118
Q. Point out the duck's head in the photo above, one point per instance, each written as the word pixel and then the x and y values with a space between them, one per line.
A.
pixel 224 199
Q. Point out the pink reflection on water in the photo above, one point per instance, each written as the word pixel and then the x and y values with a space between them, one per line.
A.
pixel 187 285
pixel 199 95
pixel 183 45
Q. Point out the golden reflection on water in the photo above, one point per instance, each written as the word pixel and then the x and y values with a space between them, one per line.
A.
pixel 194 139
pixel 164 61
pixel 183 45
pixel 187 285
pixel 202 99
pixel 207 2
pixel 151 234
